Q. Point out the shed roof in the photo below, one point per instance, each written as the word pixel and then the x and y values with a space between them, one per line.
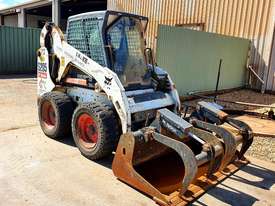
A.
pixel 27 4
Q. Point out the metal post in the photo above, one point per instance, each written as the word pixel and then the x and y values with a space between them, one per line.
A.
pixel 218 80
pixel 56 12
pixel 22 18
pixel 1 20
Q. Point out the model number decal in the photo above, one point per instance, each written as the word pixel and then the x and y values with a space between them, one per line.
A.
pixel 82 58
pixel 42 70
pixel 42 67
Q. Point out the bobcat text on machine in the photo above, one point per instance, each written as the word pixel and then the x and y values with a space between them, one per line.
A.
pixel 102 85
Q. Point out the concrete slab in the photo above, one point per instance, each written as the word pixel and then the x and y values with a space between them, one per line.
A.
pixel 254 184
pixel 17 102
pixel 36 170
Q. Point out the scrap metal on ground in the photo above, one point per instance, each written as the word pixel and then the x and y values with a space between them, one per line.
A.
pixel 260 121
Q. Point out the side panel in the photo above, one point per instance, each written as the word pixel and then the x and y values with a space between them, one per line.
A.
pixel 83 95
pixel 44 81
pixel 192 59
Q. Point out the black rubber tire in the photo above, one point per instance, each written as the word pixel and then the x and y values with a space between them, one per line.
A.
pixel 107 126
pixel 63 108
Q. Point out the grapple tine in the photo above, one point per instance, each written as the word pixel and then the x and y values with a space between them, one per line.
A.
pixel 246 133
pixel 187 156
pixel 229 140
pixel 212 147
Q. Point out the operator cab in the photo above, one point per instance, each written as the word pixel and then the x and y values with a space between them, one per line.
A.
pixel 115 40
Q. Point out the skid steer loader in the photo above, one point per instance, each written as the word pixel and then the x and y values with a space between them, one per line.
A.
pixel 101 84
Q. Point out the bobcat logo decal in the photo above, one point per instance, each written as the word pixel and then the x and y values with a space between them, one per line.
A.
pixel 108 81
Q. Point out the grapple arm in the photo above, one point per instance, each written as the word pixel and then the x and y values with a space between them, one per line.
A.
pixel 211 112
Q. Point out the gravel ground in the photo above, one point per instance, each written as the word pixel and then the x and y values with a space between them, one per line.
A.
pixel 262 147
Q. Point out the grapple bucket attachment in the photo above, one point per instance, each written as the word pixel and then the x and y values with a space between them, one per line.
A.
pixel 164 159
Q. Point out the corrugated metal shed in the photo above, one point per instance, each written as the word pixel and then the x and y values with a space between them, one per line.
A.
pixel 251 19
pixel 18 49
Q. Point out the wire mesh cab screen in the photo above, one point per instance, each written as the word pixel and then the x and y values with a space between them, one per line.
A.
pixel 85 35
pixel 125 38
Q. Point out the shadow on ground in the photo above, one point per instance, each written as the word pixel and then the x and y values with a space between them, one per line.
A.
pixel 17 76
pixel 67 140
pixel 233 195
pixel 106 162
pixel 267 176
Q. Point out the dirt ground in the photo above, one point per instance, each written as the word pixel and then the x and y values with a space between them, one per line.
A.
pixel 36 170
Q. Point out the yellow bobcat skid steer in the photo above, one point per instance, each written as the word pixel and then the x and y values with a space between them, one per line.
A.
pixel 101 84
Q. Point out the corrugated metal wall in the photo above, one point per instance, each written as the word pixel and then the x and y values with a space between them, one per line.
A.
pixel 250 19
pixel 18 49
